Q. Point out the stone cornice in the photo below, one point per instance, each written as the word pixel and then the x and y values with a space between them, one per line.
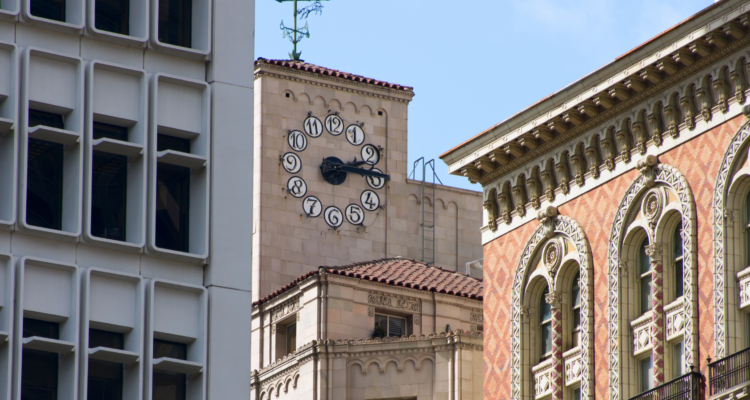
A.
pixel 332 82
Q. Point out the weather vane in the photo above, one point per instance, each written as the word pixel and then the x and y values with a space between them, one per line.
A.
pixel 295 35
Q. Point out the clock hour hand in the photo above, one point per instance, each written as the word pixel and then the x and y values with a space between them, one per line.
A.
pixel 365 172
pixel 333 166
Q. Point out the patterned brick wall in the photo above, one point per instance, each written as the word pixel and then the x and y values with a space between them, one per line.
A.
pixel 698 160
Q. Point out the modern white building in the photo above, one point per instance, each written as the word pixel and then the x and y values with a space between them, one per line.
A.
pixel 125 183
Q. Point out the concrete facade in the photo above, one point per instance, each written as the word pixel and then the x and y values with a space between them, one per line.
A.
pixel 286 242
pixel 78 280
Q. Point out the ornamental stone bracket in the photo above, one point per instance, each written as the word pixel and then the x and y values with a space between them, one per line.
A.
pixel 645 167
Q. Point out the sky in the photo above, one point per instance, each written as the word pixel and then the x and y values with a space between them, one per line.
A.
pixel 472 64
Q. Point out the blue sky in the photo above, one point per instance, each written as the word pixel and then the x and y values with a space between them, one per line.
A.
pixel 474 63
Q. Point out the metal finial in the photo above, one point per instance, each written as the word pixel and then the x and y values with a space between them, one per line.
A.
pixel 296 35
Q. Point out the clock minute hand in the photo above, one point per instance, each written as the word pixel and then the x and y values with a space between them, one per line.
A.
pixel 364 172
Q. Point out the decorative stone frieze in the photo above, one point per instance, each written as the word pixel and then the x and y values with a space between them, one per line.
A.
pixel 675 319
pixel 552 254
pixel 543 380
pixel 391 302
pixel 417 320
pixel 284 309
pixel 476 317
pixel 573 366
pixel 642 338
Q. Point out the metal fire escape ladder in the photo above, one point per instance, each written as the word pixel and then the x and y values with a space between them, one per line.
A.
pixel 428 216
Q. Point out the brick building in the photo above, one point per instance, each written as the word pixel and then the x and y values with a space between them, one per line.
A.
pixel 615 225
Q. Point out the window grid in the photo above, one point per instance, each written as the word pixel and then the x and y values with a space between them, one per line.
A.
pixel 545 326
pixel 393 326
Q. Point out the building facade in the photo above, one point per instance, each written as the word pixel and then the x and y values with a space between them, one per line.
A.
pixel 126 144
pixel 382 329
pixel 309 122
pixel 615 215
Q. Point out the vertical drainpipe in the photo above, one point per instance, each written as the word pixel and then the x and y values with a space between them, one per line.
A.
pixel 387 186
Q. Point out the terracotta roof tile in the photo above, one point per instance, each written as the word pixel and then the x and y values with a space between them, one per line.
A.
pixel 307 67
pixel 401 272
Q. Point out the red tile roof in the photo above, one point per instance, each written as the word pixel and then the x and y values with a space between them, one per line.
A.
pixel 401 272
pixel 307 67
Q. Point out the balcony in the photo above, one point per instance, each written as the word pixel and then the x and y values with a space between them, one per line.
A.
pixel 686 387
pixel 729 377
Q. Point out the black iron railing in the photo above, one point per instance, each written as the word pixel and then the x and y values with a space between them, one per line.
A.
pixel 686 387
pixel 729 371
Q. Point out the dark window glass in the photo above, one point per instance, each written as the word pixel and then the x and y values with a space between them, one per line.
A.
pixel 175 22
pixel 644 261
pixel 105 378
pixel 44 192
pixel 109 183
pixel 545 326
pixel 677 241
pixel 678 254
pixel 545 309
pixel 647 374
pixel 102 130
pixel 646 294
pixel 291 338
pixel 166 142
pixel 747 230
pixel 39 368
pixel 546 340
pixel 50 9
pixel 113 16
pixel 576 306
pixel 172 207
pixel 169 385
pixel 577 394
pixel 37 117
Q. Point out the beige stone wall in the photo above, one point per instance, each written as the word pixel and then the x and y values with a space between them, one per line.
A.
pixel 286 243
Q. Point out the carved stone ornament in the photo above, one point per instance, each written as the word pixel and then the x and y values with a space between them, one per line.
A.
pixel 652 206
pixel 547 217
pixel 387 301
pixel 623 269
pixel 370 311
pixel 654 251
pixel 417 320
pixel 554 299
pixel 491 208
pixel 283 310
pixel 729 217
pixel 646 168
pixel 552 253
pixel 476 317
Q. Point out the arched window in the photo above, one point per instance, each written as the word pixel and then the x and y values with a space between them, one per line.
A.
pixel 545 326
pixel 575 305
pixel 644 270
pixel 677 255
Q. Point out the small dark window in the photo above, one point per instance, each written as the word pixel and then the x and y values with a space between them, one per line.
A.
pixel 113 16
pixel 49 9
pixel 287 94
pixel 102 130
pixel 167 142
pixel 105 378
pixel 545 326
pixel 172 207
pixel 37 117
pixel 678 255
pixel 175 22
pixel 44 192
pixel 109 181
pixel 291 338
pixel 169 385
pixel 39 368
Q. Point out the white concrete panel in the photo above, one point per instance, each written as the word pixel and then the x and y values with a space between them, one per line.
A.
pixel 97 50
pixel 23 245
pixel 5 238
pixel 113 301
pixel 155 268
pixel 176 312
pixel 180 107
pixel 7 82
pixel 229 328
pixel 88 256
pixel 154 62
pixel 233 42
pixel 52 82
pixel 47 291
pixel 30 36
pixel 231 224
pixel 7 31
pixel 117 95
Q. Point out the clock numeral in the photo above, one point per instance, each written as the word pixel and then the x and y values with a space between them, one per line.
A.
pixel 370 154
pixel 334 124
pixel 313 127
pixel 297 140
pixel 355 135
pixel 291 163
pixel 376 182
pixel 370 200
pixel 333 217
pixel 312 206
pixel 296 186
pixel 354 214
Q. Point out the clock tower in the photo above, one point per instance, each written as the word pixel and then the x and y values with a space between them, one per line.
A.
pixel 330 179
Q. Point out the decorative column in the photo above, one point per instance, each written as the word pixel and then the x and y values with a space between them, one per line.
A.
pixel 654 251
pixel 558 382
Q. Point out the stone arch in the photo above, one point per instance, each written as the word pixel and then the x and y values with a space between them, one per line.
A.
pixel 650 175
pixel 729 163
pixel 571 230
pixel 357 362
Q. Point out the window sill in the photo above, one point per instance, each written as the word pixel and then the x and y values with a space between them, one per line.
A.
pixel 126 247
pixel 54 135
pixel 50 24
pixel 6 126
pixel 9 15
pixel 118 147
pixel 115 38
pixel 643 319
pixel 114 355
pixel 4 336
pixel 46 233
pixel 179 51
pixel 50 345
pixel 181 159
pixel 542 365
pixel 179 366
pixel 197 259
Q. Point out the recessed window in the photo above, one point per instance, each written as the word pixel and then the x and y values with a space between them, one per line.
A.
pixel 647 374
pixel 113 16
pixel 39 368
pixel 644 269
pixel 49 9
pixel 392 326
pixel 576 310
pixel 167 142
pixel 169 385
pixel 172 207
pixel 545 326
pixel 678 256
pixel 104 377
pixel 291 338
pixel 678 359
pixel 109 176
pixel 175 22
pixel 577 393
pixel 44 192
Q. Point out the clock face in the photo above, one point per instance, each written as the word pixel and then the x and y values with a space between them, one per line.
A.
pixel 335 170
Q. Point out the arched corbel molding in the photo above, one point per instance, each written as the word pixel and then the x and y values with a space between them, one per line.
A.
pixel 651 174
pixel 552 224
pixel 732 156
